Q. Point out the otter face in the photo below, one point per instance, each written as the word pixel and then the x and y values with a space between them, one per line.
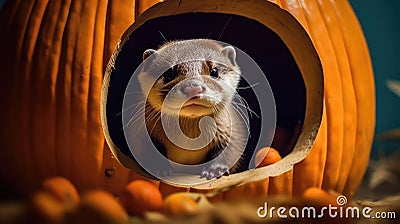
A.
pixel 190 78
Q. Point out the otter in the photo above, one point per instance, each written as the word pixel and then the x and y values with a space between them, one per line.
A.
pixel 192 84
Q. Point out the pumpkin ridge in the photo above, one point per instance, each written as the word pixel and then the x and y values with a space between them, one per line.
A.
pixel 29 38
pixel 116 11
pixel 61 154
pixel 21 28
pixel 63 99
pixel 357 50
pixel 349 101
pixel 282 184
pixel 309 172
pixel 333 96
pixel 43 98
pixel 298 12
pixel 56 44
pixel 317 154
pixel 22 162
pixel 80 91
pixel 71 44
pixel 96 139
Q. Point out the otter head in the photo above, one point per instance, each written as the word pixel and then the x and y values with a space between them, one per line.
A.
pixel 190 78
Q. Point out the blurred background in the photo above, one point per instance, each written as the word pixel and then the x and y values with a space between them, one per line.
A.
pixel 382 28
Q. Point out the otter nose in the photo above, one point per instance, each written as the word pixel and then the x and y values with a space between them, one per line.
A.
pixel 193 90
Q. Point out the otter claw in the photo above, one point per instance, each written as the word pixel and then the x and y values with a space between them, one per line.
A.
pixel 214 171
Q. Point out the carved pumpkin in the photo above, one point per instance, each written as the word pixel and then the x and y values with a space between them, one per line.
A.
pixel 54 58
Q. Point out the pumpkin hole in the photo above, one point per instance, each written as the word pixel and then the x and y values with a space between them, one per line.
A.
pixel 266 48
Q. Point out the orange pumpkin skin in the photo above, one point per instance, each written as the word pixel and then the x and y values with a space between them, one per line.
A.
pixel 53 61
pixel 349 112
pixel 52 71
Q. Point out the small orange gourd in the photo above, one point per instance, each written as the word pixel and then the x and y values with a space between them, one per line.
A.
pixel 266 156
pixel 98 206
pixel 141 196
pixel 62 189
pixel 43 207
pixel 179 205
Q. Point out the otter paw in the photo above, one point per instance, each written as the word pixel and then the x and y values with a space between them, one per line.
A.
pixel 215 170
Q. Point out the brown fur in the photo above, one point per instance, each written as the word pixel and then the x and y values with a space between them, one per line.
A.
pixel 193 61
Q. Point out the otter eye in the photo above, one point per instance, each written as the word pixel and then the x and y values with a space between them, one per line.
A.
pixel 169 75
pixel 214 72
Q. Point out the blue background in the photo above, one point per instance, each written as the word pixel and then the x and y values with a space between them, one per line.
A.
pixel 381 26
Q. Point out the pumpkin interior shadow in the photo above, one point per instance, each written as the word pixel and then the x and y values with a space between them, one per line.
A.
pixel 257 40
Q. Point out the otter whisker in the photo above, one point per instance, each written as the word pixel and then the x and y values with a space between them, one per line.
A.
pixel 162 35
pixel 136 110
pixel 131 120
pixel 246 105
pixel 152 115
pixel 243 116
pixel 155 124
pixel 247 108
pixel 249 86
pixel 135 105
pixel 223 29
pixel 135 117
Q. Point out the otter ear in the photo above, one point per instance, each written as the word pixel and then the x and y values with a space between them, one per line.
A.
pixel 147 60
pixel 230 53
pixel 147 53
